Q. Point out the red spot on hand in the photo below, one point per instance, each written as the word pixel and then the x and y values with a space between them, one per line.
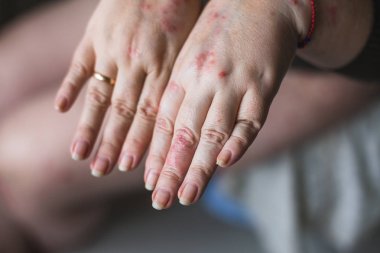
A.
pixel 182 149
pixel 216 16
pixel 168 26
pixel 146 6
pixel 173 87
pixel 205 59
pixel 295 2
pixel 222 74
pixel 133 52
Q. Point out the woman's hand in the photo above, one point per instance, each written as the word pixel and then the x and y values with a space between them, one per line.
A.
pixel 135 43
pixel 220 91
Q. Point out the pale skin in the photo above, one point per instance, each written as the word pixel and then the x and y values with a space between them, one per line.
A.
pixel 34 174
pixel 219 92
pixel 139 52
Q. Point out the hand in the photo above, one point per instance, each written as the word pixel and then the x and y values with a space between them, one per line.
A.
pixel 134 43
pixel 222 85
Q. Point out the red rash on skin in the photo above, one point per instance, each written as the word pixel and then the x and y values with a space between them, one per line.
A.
pixel 216 16
pixel 146 7
pixel 173 87
pixel 183 145
pixel 222 74
pixel 169 11
pixel 168 25
pixel 295 2
pixel 205 59
pixel 132 52
pixel 333 11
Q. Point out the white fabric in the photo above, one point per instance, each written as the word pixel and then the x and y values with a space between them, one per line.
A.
pixel 322 197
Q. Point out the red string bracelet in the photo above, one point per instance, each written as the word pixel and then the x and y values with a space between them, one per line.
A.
pixel 307 39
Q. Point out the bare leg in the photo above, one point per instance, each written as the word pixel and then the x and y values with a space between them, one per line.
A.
pixel 52 196
pixel 35 52
pixel 36 49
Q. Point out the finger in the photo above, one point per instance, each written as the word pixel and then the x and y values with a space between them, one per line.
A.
pixel 215 132
pixel 97 101
pixel 163 133
pixel 185 140
pixel 123 107
pixel 141 130
pixel 250 118
pixel 80 70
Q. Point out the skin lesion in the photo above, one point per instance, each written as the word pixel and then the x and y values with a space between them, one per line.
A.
pixel 170 13
pixel 146 6
pixel 222 74
pixel 205 60
pixel 183 144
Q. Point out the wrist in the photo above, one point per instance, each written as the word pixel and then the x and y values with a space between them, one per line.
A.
pixel 303 17
pixel 342 30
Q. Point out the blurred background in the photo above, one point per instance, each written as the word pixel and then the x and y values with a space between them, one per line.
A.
pixel 315 191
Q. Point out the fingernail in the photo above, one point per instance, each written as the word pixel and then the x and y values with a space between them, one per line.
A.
pixel 224 158
pixel 188 195
pixel 80 150
pixel 126 163
pixel 97 173
pixel 161 199
pixel 151 181
pixel 100 167
pixel 61 104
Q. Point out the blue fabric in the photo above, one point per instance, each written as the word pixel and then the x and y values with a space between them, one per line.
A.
pixel 223 206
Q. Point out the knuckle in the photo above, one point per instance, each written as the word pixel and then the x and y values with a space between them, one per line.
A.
pixel 164 124
pixel 214 136
pixel 122 109
pixel 241 141
pixel 251 126
pixel 171 174
pixel 201 173
pixel 135 143
pixel 98 98
pixel 147 110
pixel 185 138
pixel 86 130
pixel 109 147
pixel 78 70
pixel 77 73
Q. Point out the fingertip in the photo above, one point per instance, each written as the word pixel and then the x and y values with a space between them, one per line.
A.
pixel 151 180
pixel 61 104
pixel 224 158
pixel 126 164
pixel 188 195
pixel 97 173
pixel 161 199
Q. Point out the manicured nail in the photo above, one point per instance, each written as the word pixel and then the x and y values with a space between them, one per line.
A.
pixel 151 181
pixel 224 158
pixel 161 199
pixel 97 173
pixel 100 167
pixel 61 104
pixel 188 195
pixel 126 163
pixel 80 150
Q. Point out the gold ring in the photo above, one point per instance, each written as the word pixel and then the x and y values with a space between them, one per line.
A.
pixel 104 78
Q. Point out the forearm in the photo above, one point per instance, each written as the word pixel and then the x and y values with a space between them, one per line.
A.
pixel 342 31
